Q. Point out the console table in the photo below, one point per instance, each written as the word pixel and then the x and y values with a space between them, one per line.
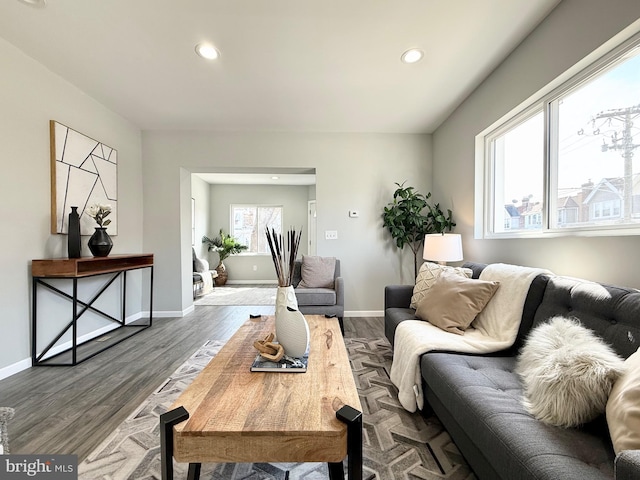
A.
pixel 75 269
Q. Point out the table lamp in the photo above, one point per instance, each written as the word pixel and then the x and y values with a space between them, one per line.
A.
pixel 442 247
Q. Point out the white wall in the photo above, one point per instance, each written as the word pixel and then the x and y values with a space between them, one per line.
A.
pixel 353 172
pixel 30 96
pixel 572 31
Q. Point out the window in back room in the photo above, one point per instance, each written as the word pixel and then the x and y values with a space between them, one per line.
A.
pixel 249 222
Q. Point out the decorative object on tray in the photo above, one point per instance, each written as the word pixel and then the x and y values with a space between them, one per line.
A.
pixel 286 364
pixel 84 171
pixel 269 350
pixel 73 237
pixel 272 358
pixel 226 246
pixel 292 330
pixel 100 242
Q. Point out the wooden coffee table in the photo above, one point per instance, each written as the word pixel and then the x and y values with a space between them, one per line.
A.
pixel 230 414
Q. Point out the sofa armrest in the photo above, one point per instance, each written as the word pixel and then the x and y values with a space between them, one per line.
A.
pixel 627 465
pixel 397 296
pixel 339 288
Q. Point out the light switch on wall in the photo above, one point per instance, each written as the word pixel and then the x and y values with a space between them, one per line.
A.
pixel 330 234
pixel 354 213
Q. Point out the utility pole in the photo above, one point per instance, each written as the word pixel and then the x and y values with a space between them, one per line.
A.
pixel 625 144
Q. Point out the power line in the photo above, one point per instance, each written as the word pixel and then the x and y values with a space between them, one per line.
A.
pixel 622 140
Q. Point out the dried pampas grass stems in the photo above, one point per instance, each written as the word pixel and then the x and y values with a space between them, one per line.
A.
pixel 284 255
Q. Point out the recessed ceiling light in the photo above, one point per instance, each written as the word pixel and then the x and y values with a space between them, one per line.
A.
pixel 208 51
pixel 275 178
pixel 35 3
pixel 412 55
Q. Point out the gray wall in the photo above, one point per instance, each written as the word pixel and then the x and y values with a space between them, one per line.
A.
pixel 200 192
pixel 353 172
pixel 30 96
pixel 293 199
pixel 573 30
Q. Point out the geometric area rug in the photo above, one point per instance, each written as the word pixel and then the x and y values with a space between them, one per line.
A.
pixel 396 444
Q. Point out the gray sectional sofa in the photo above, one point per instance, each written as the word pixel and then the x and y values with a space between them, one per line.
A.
pixel 478 397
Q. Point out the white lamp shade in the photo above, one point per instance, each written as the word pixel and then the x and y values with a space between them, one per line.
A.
pixel 442 247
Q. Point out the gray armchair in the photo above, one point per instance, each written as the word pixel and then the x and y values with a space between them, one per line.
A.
pixel 320 301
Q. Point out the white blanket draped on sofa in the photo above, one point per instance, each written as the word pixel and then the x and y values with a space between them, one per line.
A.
pixel 207 281
pixel 494 329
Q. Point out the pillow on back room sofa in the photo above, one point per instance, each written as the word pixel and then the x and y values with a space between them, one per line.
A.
pixel 453 301
pixel 427 276
pixel 623 407
pixel 567 372
pixel 317 272
pixel 200 265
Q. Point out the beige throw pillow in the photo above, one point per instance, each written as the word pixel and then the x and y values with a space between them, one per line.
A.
pixel 427 276
pixel 623 407
pixel 317 272
pixel 453 301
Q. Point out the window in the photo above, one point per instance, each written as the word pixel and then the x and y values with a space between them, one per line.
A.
pixel 566 162
pixel 249 222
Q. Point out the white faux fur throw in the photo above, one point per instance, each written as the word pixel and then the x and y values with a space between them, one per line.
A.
pixel 494 329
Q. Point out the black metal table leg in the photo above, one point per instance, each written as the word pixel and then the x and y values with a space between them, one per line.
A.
pixel 167 421
pixel 194 471
pixel 336 471
pixel 353 419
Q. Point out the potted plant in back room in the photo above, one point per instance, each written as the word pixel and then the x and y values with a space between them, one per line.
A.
pixel 225 245
pixel 409 217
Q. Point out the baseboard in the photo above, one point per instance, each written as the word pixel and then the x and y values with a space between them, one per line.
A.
pixel 173 313
pixel 364 313
pixel 253 282
pixel 15 368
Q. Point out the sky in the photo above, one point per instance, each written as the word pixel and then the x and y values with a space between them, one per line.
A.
pixel 581 134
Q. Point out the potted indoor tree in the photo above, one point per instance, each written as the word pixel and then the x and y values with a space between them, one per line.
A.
pixel 226 246
pixel 409 217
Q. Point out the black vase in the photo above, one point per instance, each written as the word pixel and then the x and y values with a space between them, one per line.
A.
pixel 73 237
pixel 100 242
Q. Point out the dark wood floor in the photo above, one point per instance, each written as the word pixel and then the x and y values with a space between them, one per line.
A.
pixel 70 410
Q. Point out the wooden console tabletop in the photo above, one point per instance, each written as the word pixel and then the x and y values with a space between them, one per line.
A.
pixel 87 266
pixel 241 416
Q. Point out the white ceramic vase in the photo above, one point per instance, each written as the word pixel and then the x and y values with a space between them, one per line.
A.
pixel 292 329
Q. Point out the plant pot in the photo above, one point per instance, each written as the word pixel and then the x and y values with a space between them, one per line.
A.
pixel 100 243
pixel 292 329
pixel 222 277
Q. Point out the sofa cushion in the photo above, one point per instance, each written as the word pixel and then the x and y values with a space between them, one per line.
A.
pixel 200 265
pixel 317 272
pixel 315 296
pixel 453 301
pixel 427 276
pixel 611 312
pixel 567 372
pixel 482 395
pixel 623 407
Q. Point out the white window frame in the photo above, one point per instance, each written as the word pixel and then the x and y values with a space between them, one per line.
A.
pixel 583 71
pixel 257 206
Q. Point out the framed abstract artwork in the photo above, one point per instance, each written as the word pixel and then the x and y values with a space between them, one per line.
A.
pixel 84 172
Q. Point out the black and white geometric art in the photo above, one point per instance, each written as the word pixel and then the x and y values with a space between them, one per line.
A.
pixel 84 172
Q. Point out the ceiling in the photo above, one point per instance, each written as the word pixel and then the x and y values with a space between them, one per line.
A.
pixel 285 65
